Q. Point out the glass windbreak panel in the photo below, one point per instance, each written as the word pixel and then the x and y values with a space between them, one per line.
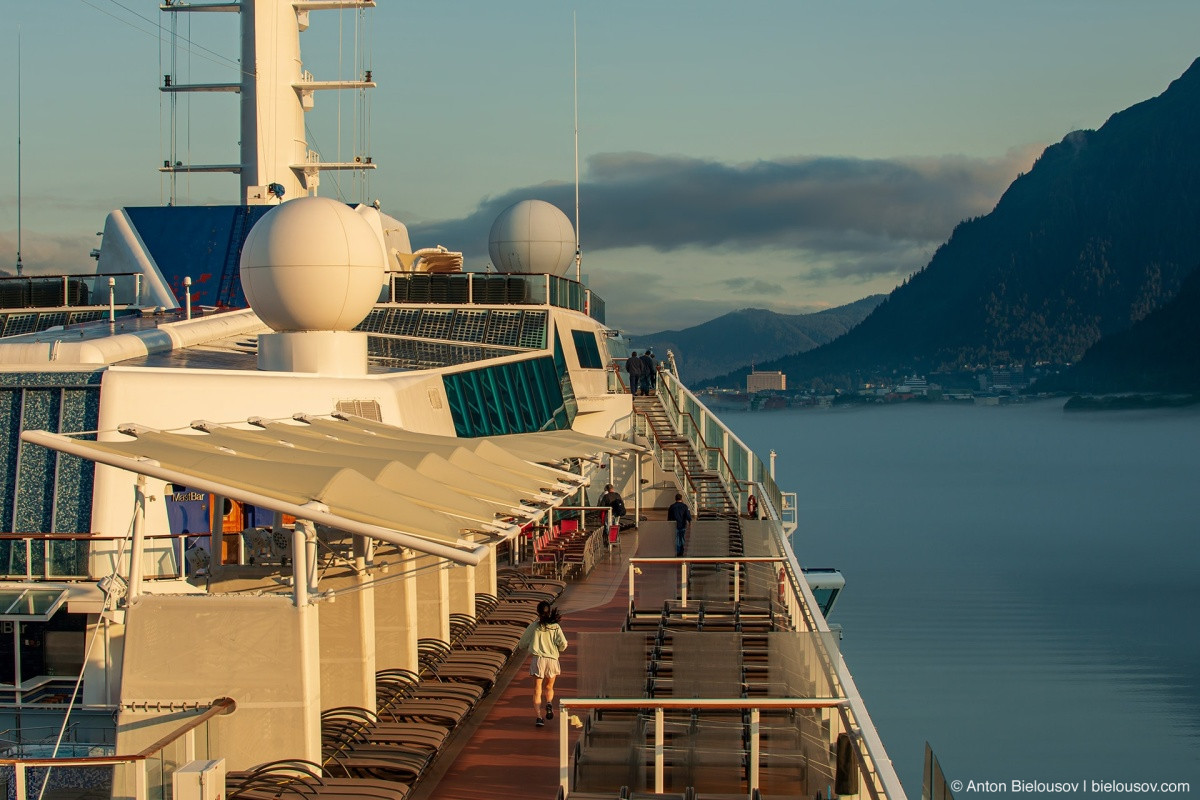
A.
pixel 61 781
pixel 797 664
pixel 705 663
pixel 614 664
pixel 586 349
pixel 14 559
pixel 739 462
pixel 68 558
pixel 596 308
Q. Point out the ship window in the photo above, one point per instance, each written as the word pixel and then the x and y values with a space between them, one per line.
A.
pixel 586 349
pixel 518 397
pixel 30 604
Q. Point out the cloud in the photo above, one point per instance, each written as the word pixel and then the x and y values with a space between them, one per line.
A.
pixel 846 218
pixel 49 253
pixel 750 286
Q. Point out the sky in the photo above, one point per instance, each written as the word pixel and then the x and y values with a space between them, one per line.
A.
pixel 793 156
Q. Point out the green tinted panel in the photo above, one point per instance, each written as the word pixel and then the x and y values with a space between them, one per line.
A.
pixel 519 397
pixel 587 350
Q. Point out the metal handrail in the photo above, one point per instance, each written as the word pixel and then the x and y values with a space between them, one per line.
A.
pixel 186 731
pixel 724 469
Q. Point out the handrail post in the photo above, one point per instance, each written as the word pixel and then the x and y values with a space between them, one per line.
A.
pixel 658 750
pixel 564 755
pixel 140 781
pixel 753 777
pixel 19 779
pixel 631 579
pixel 683 584
pixel 737 581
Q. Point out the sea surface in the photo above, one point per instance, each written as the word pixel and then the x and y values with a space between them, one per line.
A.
pixel 1022 585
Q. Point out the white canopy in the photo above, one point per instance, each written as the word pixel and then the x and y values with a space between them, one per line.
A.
pixel 421 491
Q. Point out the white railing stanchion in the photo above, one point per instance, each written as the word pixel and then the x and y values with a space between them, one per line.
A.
pixel 753 777
pixel 564 756
pixel 658 750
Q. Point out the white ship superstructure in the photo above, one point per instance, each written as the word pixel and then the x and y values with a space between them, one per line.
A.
pixel 228 528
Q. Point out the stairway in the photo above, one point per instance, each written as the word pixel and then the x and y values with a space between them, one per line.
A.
pixel 709 493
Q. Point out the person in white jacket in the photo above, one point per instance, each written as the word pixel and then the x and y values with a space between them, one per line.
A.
pixel 546 641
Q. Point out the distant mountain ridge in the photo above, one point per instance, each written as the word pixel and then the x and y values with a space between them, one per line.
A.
pixel 751 335
pixel 1101 232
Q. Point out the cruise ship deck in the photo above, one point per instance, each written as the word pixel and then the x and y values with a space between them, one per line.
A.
pixel 502 753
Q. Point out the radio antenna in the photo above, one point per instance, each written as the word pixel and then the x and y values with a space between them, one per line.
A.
pixel 575 77
pixel 20 266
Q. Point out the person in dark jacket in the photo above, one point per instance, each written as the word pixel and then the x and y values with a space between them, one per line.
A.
pixel 649 372
pixel 634 366
pixel 613 500
pixel 682 516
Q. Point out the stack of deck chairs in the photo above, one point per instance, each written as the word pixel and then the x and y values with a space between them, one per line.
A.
pixel 382 753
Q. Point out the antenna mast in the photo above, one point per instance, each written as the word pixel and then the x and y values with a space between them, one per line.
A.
pixel 19 264
pixel 575 77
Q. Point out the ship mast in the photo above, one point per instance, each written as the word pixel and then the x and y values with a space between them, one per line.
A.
pixel 575 79
pixel 275 160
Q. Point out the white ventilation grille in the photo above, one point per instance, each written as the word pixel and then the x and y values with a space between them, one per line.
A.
pixel 367 409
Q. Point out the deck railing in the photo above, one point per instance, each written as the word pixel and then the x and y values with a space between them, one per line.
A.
pixel 658 706
pixel 152 768
pixel 797 602
pixel 476 288
pixel 69 291
pixel 68 556
pixel 737 464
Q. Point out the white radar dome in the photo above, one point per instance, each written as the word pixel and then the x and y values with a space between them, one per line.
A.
pixel 312 264
pixel 532 236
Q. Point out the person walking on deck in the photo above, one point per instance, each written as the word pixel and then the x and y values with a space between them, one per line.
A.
pixel 682 515
pixel 634 366
pixel 613 500
pixel 649 370
pixel 546 641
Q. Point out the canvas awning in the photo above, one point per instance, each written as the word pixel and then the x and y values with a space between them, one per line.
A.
pixel 426 492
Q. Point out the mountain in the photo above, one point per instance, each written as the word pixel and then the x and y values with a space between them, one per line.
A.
pixel 1097 235
pixel 1160 353
pixel 749 336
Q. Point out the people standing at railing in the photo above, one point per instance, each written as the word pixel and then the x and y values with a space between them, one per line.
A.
pixel 546 642
pixel 752 507
pixel 634 366
pixel 649 368
pixel 682 516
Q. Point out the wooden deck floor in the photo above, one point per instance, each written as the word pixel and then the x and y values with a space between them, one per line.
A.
pixel 501 753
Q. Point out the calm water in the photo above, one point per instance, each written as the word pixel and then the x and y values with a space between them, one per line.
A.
pixel 1023 585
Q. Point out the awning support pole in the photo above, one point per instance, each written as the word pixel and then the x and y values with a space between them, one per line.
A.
pixel 139 539
pixel 300 563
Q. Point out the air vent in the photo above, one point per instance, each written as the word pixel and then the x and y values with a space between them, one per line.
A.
pixel 367 409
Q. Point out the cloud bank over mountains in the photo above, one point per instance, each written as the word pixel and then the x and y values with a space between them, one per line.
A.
pixel 672 241
pixel 849 217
